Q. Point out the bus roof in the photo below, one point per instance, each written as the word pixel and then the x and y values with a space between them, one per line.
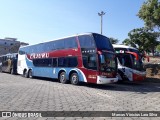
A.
pixel 89 33
pixel 122 46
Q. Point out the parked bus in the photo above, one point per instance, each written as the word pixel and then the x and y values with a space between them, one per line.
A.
pixel 87 57
pixel 130 65
pixel 8 63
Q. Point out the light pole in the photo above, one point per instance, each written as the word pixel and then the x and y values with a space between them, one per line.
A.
pixel 101 14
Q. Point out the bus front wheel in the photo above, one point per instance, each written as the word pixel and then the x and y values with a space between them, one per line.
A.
pixel 74 79
pixel 25 74
pixel 62 78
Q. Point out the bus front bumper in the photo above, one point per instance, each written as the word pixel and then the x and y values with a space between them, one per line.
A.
pixel 104 80
pixel 139 76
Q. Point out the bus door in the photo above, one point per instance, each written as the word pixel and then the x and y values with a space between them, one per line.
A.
pixel 90 63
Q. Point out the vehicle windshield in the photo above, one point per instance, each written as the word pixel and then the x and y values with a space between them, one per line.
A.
pixel 129 60
pixel 102 42
pixel 138 64
pixel 108 62
pixel 125 59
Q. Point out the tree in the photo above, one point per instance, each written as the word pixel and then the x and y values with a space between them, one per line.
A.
pixel 150 13
pixel 143 38
pixel 129 42
pixel 146 39
pixel 158 48
pixel 113 40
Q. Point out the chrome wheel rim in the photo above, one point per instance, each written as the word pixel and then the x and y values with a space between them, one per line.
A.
pixel 62 78
pixel 74 79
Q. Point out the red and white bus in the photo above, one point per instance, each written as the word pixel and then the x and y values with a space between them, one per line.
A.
pixel 88 57
pixel 130 65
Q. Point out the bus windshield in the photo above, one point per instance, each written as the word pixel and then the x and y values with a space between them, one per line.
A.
pixel 137 64
pixel 130 61
pixel 102 42
pixel 108 62
pixel 125 59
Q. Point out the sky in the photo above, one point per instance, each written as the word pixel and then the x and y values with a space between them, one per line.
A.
pixel 35 21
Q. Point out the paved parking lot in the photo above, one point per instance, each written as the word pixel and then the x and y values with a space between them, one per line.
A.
pixel 24 94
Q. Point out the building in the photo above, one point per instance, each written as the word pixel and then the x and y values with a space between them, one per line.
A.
pixel 10 45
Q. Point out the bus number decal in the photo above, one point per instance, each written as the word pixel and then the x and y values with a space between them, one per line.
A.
pixel 41 55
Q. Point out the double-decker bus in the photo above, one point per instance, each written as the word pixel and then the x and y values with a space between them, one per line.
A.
pixel 88 57
pixel 8 63
pixel 130 65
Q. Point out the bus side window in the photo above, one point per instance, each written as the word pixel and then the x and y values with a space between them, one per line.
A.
pixel 61 62
pixel 90 62
pixel 54 62
pixel 42 62
pixel 48 62
pixel 72 62
pixel 59 44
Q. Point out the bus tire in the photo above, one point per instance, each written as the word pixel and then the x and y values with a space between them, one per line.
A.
pixel 30 74
pixel 25 73
pixel 62 78
pixel 74 79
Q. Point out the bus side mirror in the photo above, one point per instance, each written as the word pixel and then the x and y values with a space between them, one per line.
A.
pixel 133 53
pixel 102 58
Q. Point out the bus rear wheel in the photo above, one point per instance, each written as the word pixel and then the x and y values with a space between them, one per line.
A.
pixel 30 74
pixel 62 78
pixel 74 79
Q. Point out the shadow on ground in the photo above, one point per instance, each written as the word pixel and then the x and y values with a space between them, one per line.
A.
pixel 140 87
